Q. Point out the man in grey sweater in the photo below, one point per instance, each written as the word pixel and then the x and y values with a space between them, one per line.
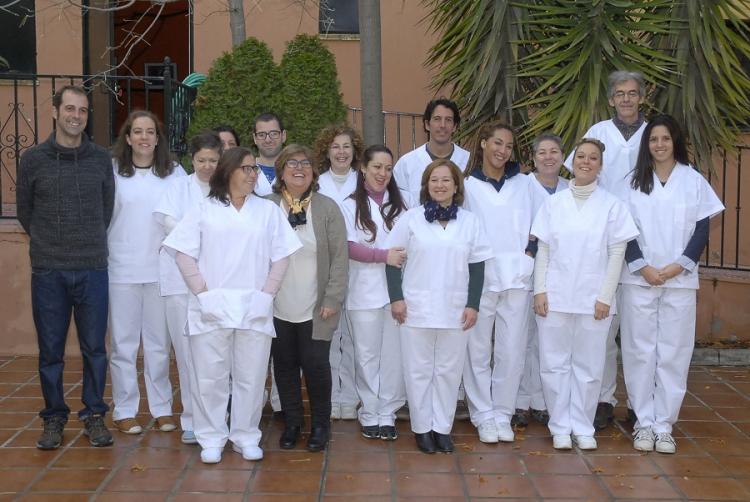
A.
pixel 65 197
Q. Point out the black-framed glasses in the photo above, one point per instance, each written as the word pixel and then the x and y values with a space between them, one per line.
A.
pixel 270 134
pixel 250 168
pixel 302 164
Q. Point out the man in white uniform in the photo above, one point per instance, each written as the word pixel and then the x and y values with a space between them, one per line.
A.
pixel 269 136
pixel 621 136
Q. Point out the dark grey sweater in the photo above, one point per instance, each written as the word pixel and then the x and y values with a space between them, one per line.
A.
pixel 65 198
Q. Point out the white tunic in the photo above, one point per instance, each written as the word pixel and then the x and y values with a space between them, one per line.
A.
pixel 409 168
pixel 262 186
pixel 562 184
pixel 134 236
pixel 184 194
pixel 367 284
pixel 578 241
pixel 506 217
pixel 436 273
pixel 234 250
pixel 666 219
pixel 329 188
pixel 620 156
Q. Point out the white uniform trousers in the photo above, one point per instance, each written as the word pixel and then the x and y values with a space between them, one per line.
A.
pixel 136 312
pixel 530 394
pixel 571 357
pixel 433 361
pixel 377 357
pixel 176 309
pixel 343 390
pixel 492 374
pixel 657 336
pixel 609 378
pixel 245 354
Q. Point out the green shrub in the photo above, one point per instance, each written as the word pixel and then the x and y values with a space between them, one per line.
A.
pixel 310 97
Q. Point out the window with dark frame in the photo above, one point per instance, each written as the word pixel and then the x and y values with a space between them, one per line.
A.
pixel 338 17
pixel 18 42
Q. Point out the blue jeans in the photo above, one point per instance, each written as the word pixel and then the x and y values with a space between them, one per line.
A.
pixel 55 294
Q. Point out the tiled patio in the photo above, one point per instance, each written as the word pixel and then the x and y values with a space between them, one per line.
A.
pixel 712 463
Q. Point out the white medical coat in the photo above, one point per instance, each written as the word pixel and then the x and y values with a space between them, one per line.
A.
pixel 410 167
pixel 329 188
pixel 562 184
pixel 436 273
pixel 666 220
pixel 234 250
pixel 578 241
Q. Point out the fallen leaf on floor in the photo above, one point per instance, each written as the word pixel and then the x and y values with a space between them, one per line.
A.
pixel 348 476
pixel 503 491
pixel 137 468
pixel 597 470
pixel 307 459
pixel 655 476
pixel 482 480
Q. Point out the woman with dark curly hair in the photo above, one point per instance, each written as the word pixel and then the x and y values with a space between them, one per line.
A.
pixel 338 153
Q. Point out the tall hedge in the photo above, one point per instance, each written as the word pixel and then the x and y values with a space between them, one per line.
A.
pixel 310 97
pixel 240 85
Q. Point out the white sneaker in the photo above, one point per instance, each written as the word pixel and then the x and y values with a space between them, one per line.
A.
pixel 643 440
pixel 211 455
pixel 488 431
pixel 665 443
pixel 249 452
pixel 562 442
pixel 348 411
pixel 335 411
pixel 585 442
pixel 505 432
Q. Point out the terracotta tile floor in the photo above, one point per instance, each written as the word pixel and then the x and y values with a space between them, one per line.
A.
pixel 712 463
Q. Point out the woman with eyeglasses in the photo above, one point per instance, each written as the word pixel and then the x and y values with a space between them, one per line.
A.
pixel 232 250
pixel 308 306
pixel 338 150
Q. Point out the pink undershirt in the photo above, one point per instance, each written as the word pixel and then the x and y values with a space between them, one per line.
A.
pixel 365 254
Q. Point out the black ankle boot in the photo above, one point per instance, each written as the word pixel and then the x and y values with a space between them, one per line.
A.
pixel 289 437
pixel 443 442
pixel 318 439
pixel 425 442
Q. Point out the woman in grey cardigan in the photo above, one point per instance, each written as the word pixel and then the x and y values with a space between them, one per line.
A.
pixel 308 305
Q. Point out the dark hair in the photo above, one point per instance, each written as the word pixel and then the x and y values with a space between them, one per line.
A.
pixel 230 161
pixel 434 104
pixel 226 128
pixel 209 140
pixel 325 139
pixel 458 179
pixel 390 210
pixel 287 153
pixel 76 89
pixel 267 117
pixel 123 152
pixel 643 173
pixel 485 132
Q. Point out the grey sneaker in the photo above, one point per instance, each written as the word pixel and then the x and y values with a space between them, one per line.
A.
pixel 643 440
pixel 94 428
pixel 665 443
pixel 52 435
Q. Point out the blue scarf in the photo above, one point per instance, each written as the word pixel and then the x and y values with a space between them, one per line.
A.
pixel 434 211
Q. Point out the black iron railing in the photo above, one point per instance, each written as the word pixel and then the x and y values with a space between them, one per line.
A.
pixel 402 131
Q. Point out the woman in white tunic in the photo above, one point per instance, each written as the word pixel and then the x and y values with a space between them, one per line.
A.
pixel 338 153
pixel 671 203
pixel 232 250
pixel 582 234
pixel 370 213
pixel 308 307
pixel 184 194
pixel 143 173
pixel 548 158
pixel 505 202
pixel 442 286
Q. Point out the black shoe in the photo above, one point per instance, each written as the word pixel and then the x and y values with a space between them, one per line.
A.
pixel 371 431
pixel 289 437
pixel 605 413
pixel 443 442
pixel 403 412
pixel 94 428
pixel 318 439
pixel 632 418
pixel 462 411
pixel 520 418
pixel 425 442
pixel 541 416
pixel 388 433
pixel 52 435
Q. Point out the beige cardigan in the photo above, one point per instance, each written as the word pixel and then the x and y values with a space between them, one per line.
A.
pixel 332 255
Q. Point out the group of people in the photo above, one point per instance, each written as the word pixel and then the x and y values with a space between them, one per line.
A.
pixel 381 283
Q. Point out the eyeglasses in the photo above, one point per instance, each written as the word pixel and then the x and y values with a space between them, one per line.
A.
pixel 630 94
pixel 302 164
pixel 270 134
pixel 250 168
